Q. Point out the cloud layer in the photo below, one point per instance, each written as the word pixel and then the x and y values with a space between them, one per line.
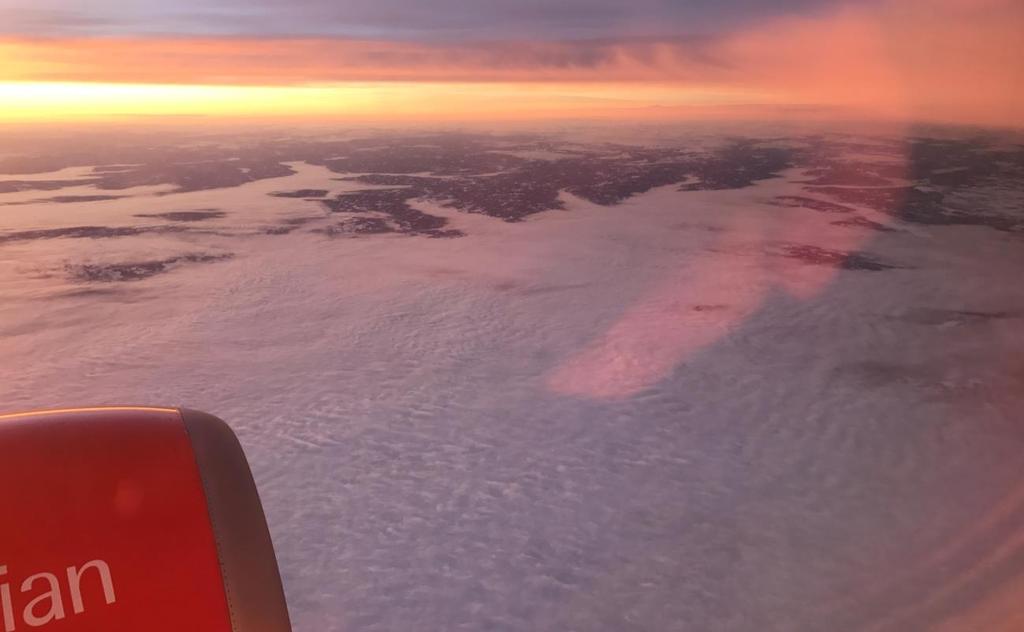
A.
pixel 952 60
pixel 394 19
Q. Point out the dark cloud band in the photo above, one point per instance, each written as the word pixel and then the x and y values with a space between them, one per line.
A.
pixel 397 19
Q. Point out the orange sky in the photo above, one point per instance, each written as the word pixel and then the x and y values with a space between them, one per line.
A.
pixel 944 60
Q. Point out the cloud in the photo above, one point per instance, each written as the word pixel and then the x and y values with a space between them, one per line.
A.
pixel 498 19
pixel 300 61
pixel 36 21
pixel 397 19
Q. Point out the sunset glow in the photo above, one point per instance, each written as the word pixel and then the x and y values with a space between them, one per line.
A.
pixel 364 101
pixel 897 59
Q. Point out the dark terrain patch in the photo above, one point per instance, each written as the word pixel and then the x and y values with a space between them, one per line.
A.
pixel 301 193
pixel 835 258
pixel 943 173
pixel 17 186
pixel 391 202
pixel 279 230
pixel 73 199
pixel 195 177
pixel 797 201
pixel 90 293
pixel 737 166
pixel 357 226
pixel 291 225
pixel 528 187
pixel 443 154
pixel 933 316
pixel 450 233
pixel 698 227
pixel 919 206
pixel 186 168
pixel 85 232
pixel 136 271
pixel 470 173
pixel 509 196
pixel 67 199
pixel 710 308
pixel 863 222
pixel 379 225
pixel 880 374
pixel 186 216
pixel 827 170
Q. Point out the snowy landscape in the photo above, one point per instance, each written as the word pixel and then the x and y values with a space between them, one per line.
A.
pixel 734 381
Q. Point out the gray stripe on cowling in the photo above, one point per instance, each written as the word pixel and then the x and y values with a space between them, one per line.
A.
pixel 252 581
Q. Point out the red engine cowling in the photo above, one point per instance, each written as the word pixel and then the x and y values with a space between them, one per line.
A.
pixel 133 520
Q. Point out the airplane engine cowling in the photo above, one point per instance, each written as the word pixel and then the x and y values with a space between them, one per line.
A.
pixel 132 520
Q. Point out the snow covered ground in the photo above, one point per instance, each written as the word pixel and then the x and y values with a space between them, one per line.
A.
pixel 660 415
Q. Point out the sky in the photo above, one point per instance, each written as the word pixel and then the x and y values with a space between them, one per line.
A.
pixel 957 61
pixel 396 19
